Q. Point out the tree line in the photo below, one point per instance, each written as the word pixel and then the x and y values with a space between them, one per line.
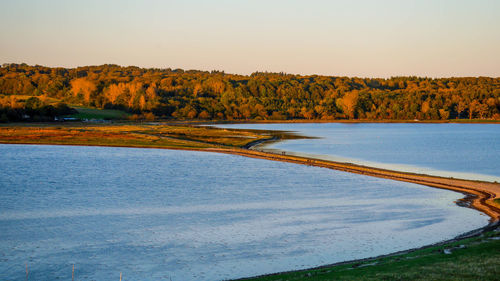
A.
pixel 13 108
pixel 179 94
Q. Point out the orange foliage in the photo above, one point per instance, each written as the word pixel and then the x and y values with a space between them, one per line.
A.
pixel 114 91
pixel 187 94
pixel 83 86
pixel 349 103
pixel 425 107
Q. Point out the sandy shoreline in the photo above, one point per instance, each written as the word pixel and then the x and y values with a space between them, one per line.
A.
pixel 480 194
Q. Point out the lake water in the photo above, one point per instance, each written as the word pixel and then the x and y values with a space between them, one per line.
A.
pixel 177 215
pixel 468 151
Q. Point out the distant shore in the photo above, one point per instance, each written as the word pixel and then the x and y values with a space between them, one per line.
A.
pixel 347 121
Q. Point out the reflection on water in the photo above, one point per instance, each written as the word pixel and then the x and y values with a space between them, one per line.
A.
pixel 158 214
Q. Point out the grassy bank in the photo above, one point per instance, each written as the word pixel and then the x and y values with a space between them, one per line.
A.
pixel 100 114
pixel 127 134
pixel 475 258
pixel 497 201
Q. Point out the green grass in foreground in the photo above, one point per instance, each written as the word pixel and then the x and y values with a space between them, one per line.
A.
pixel 94 113
pixel 475 258
pixel 497 201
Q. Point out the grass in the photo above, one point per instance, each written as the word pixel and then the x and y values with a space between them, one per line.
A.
pixel 84 136
pixel 94 113
pixel 210 135
pixel 134 135
pixel 475 258
pixel 478 260
pixel 83 112
pixel 497 201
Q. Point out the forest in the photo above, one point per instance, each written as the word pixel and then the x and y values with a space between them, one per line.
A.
pixel 192 94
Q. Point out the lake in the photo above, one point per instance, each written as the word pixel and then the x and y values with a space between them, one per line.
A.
pixel 467 151
pixel 157 214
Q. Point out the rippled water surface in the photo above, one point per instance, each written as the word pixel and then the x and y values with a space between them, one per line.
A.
pixel 469 151
pixel 160 214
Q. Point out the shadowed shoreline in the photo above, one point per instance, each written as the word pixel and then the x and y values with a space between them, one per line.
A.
pixel 479 195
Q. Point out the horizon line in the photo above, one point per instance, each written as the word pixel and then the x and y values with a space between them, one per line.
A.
pixel 250 74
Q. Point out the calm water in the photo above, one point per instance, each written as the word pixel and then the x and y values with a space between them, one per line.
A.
pixel 469 151
pixel 159 214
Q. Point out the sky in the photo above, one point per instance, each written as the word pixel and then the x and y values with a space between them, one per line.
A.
pixel 363 38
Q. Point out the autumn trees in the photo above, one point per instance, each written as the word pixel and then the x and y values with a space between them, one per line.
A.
pixel 13 108
pixel 349 103
pixel 180 94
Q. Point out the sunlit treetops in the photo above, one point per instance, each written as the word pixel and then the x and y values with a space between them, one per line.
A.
pixel 192 94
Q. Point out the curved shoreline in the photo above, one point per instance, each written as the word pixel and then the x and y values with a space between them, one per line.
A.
pixel 480 194
pixel 473 233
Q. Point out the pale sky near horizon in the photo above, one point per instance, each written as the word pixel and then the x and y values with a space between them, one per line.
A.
pixel 364 38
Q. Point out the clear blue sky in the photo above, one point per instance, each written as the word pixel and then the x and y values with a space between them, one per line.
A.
pixel 368 38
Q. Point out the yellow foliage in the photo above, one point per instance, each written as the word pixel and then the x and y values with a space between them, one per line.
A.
pixel 83 86
pixel 425 107
pixel 350 102
pixel 114 91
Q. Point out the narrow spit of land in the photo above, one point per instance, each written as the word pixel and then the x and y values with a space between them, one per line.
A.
pixel 460 259
pixel 481 195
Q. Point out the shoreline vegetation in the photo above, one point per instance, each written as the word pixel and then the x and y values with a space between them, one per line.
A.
pixel 354 121
pixel 482 196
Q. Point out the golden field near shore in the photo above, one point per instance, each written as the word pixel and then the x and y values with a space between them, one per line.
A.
pixel 229 141
pixel 480 252
pixel 128 135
